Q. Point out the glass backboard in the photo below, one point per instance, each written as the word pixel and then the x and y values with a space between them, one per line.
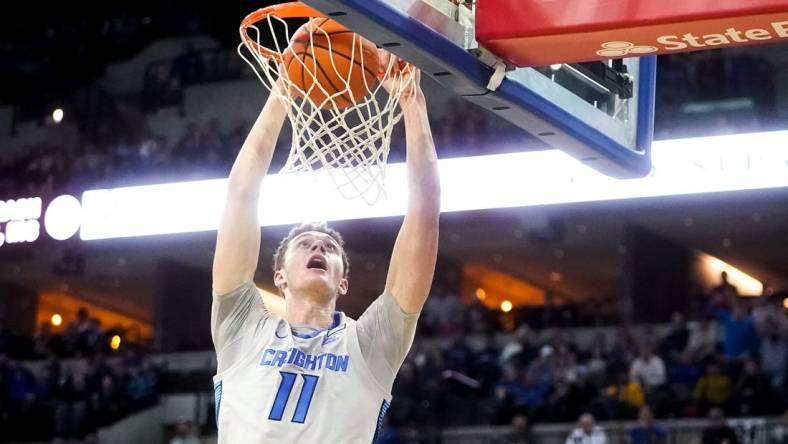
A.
pixel 599 112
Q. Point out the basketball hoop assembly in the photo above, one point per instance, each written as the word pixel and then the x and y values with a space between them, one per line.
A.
pixel 332 79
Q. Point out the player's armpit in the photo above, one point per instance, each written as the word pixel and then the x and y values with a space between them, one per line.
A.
pixel 273 302
pixel 235 317
pixel 386 334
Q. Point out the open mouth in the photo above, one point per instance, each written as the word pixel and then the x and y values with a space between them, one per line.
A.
pixel 317 262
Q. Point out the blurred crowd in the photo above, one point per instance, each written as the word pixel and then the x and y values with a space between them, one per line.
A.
pixel 68 400
pixel 207 152
pixel 84 337
pixel 731 361
pixel 47 168
pixel 716 92
pixel 46 393
pixel 463 369
pixel 711 93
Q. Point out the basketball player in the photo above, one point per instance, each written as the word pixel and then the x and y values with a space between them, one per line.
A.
pixel 310 374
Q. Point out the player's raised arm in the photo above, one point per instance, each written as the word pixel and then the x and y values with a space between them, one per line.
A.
pixel 238 239
pixel 416 248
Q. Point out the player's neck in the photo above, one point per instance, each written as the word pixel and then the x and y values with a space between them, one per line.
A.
pixel 307 311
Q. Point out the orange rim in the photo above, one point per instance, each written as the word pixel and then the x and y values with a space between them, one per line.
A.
pixel 282 10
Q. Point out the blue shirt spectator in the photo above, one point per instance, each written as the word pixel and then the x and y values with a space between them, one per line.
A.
pixel 654 434
pixel 646 432
pixel 740 337
pixel 685 372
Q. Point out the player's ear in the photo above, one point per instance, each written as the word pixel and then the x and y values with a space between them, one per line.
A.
pixel 342 290
pixel 279 278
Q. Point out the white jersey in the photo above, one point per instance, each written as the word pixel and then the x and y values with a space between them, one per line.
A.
pixel 279 383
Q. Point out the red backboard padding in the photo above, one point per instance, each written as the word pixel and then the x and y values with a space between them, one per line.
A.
pixel 541 32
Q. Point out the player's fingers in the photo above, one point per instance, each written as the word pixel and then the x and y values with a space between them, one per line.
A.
pixel 384 58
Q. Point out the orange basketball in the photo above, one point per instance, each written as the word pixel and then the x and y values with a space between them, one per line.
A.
pixel 331 60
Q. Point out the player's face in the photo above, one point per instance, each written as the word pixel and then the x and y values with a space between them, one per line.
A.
pixel 313 264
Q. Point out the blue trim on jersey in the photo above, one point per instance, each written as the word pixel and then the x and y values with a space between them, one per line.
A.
pixel 334 324
pixel 280 402
pixel 383 409
pixel 217 397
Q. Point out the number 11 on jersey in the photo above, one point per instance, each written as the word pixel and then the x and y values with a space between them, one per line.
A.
pixel 283 395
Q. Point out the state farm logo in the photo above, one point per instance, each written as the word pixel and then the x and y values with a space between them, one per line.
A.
pixel 620 49
pixel 691 41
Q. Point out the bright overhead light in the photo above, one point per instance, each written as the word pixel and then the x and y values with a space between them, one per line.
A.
pixel 63 217
pixel 681 167
pixel 57 115
pixel 506 306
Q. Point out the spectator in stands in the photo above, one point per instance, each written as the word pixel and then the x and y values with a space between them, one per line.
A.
pixel 479 319
pixel 70 397
pixel 443 312
pixel 107 401
pixel 646 431
pixel 566 400
pixel 486 368
pixel 704 339
pixel 459 356
pixel 587 432
pixel 504 403
pixel 622 350
pixel 520 349
pixel 77 327
pixel 630 392
pixel 459 359
pixel 92 340
pixel 752 393
pixel 542 370
pixel 520 434
pixel 774 355
pixel 718 431
pixel 769 315
pixel 531 393
pixel 725 289
pixel 565 343
pixel 596 366
pixel 674 343
pixel 566 367
pixel 683 375
pixel 740 338
pixel 43 341
pixel 648 369
pixel 713 389
pixel 621 399
pixel 20 384
pixel 779 434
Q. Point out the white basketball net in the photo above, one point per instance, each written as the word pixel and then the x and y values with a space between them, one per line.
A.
pixel 351 144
